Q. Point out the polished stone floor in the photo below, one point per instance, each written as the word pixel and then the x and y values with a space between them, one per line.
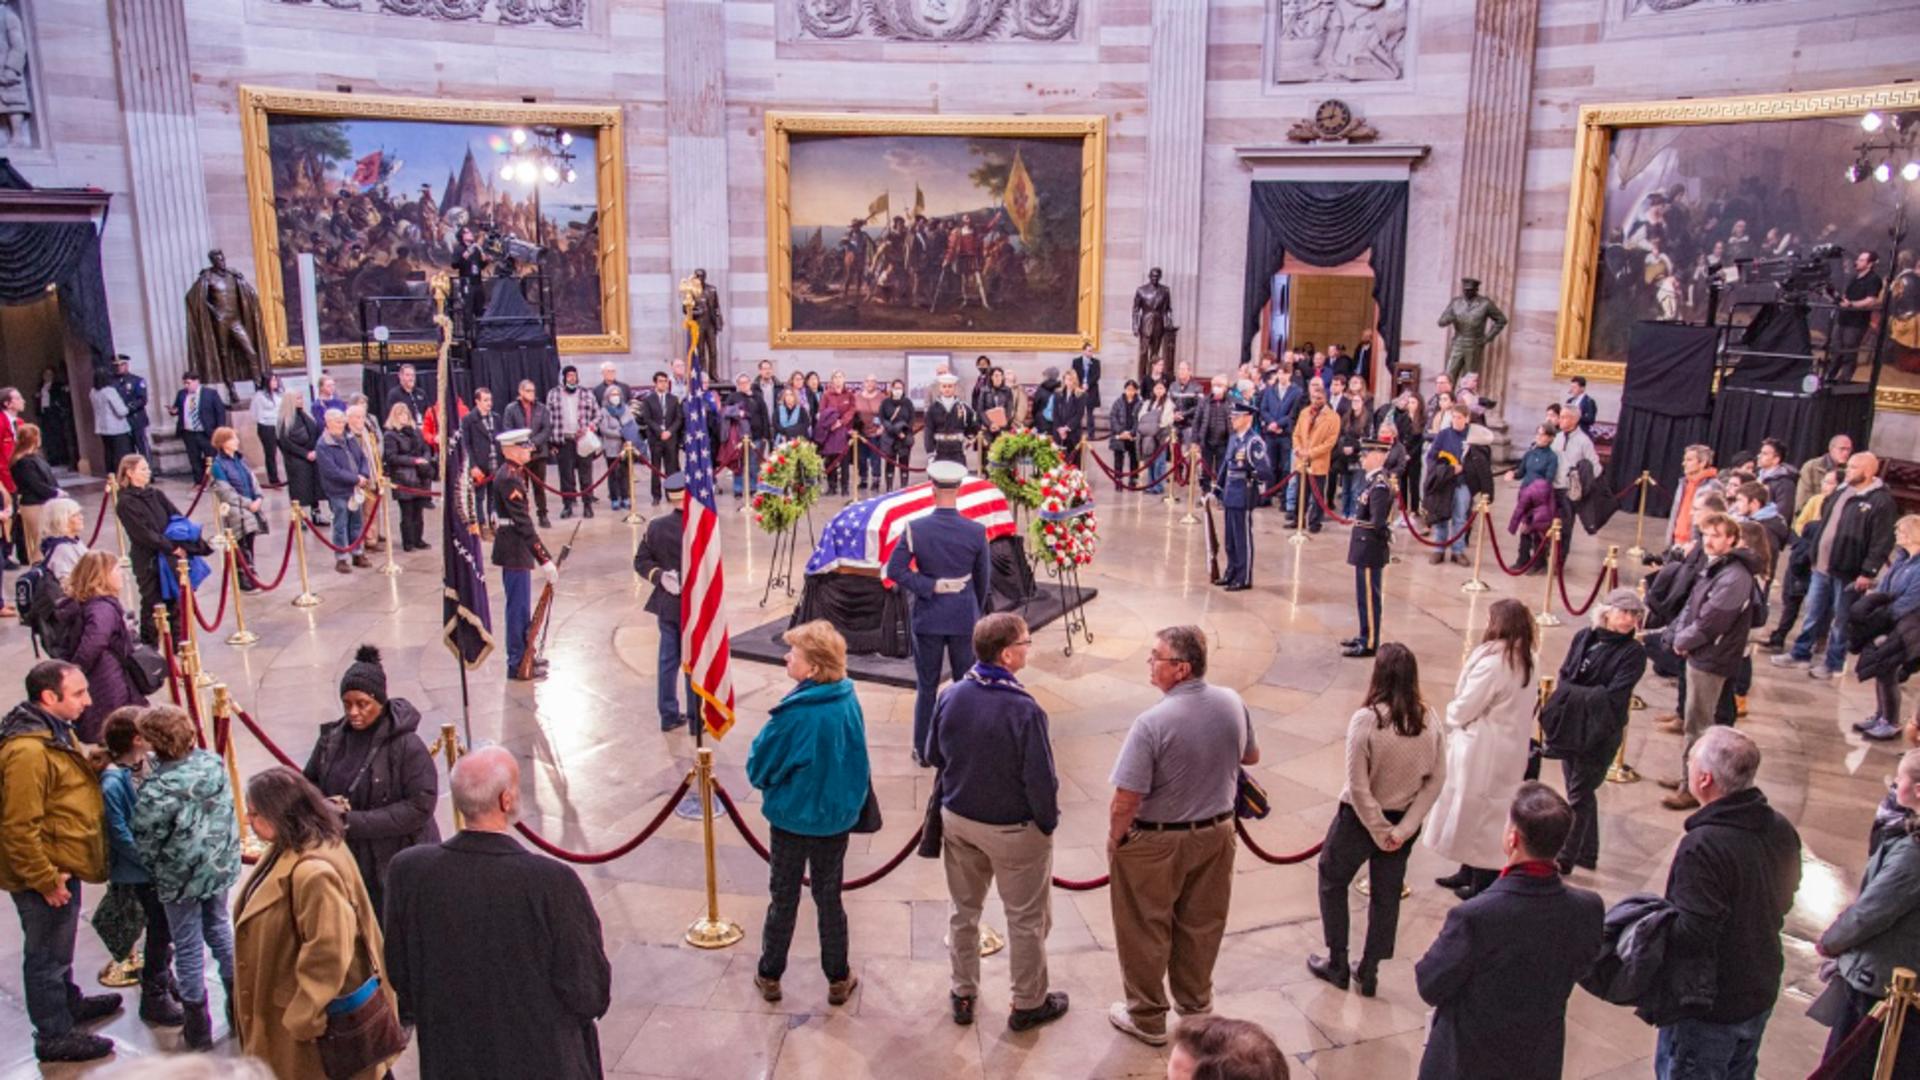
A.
pixel 596 769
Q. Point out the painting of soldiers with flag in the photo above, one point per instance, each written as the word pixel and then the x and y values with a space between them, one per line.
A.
pixel 898 232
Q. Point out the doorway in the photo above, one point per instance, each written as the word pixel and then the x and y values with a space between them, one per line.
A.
pixel 1312 308
pixel 33 343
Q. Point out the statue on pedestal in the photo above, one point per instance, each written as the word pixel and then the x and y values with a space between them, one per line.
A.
pixel 1476 321
pixel 701 303
pixel 223 326
pixel 1153 321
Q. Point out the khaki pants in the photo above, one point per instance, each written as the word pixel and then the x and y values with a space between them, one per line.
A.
pixel 1019 859
pixel 1703 697
pixel 1170 893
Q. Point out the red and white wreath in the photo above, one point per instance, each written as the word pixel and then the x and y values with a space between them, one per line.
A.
pixel 1064 526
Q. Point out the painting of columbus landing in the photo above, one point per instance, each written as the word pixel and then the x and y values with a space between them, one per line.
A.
pixel 968 232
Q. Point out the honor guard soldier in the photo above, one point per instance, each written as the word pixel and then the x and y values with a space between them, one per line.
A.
pixel 1367 547
pixel 1247 471
pixel 950 423
pixel 658 561
pixel 942 560
pixel 517 549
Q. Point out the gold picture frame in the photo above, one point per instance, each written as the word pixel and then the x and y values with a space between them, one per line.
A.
pixel 1586 207
pixel 257 104
pixel 781 126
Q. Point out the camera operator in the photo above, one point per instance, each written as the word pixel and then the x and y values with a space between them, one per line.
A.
pixel 469 267
pixel 1858 302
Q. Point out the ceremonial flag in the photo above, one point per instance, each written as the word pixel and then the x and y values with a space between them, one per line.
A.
pixel 705 644
pixel 878 207
pixel 1022 201
pixel 863 534
pixel 367 171
pixel 467 625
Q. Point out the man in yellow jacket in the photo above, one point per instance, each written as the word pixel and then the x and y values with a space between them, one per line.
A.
pixel 52 838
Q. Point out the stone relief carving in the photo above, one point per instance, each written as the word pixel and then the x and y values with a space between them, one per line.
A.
pixel 1339 40
pixel 938 21
pixel 16 80
pixel 1660 7
pixel 566 14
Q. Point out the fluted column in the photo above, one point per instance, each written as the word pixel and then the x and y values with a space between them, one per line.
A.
pixel 170 224
pixel 1493 164
pixel 1176 130
pixel 697 154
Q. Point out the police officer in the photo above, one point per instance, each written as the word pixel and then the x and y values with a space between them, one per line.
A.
pixel 517 549
pixel 658 560
pixel 1367 547
pixel 1247 470
pixel 950 423
pixel 133 391
pixel 942 560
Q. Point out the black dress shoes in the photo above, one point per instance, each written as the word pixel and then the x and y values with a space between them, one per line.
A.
pixel 1356 652
pixel 1329 969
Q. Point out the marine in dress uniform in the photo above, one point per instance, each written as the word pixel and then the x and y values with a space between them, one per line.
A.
pixel 942 560
pixel 658 560
pixel 950 423
pixel 1247 471
pixel 1368 547
pixel 517 549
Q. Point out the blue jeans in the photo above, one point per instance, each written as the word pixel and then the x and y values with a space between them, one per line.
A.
pixel 669 678
pixel 518 585
pixel 1826 606
pixel 1157 474
pixel 1698 1050
pixel 1457 524
pixel 346 526
pixel 46 959
pixel 195 923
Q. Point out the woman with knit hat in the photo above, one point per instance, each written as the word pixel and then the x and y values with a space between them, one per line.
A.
pixel 373 765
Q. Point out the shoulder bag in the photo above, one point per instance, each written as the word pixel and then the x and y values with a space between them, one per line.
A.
pixel 146 668
pixel 363 1029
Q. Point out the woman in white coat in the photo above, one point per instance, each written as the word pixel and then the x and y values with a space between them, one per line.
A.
pixel 1487 726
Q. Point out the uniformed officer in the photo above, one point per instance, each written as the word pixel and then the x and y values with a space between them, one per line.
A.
pixel 1367 549
pixel 1247 471
pixel 517 549
pixel 658 560
pixel 942 560
pixel 950 423
pixel 133 391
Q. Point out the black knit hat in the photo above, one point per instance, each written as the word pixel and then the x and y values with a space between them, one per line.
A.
pixel 366 675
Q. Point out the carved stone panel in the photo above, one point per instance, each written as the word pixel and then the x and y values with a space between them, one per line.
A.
pixel 563 14
pixel 936 21
pixel 21 126
pixel 1332 41
pixel 1649 18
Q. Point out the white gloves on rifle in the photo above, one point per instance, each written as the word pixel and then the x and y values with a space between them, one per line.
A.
pixel 670 581
pixel 549 572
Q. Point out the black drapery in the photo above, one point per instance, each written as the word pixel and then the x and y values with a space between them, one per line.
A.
pixel 873 618
pixel 1742 416
pixel 1327 224
pixel 66 257
pixel 1664 408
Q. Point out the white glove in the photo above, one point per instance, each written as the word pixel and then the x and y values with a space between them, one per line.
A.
pixel 670 581
pixel 549 572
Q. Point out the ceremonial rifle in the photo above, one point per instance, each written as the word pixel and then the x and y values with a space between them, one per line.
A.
pixel 537 626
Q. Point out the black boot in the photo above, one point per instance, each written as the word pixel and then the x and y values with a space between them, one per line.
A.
pixel 197 1031
pixel 1366 976
pixel 232 1028
pixel 1477 882
pixel 1459 877
pixel 158 1006
pixel 1331 969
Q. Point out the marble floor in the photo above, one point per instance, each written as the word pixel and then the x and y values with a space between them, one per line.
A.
pixel 596 768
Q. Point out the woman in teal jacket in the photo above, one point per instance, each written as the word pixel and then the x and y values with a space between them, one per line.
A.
pixel 810 765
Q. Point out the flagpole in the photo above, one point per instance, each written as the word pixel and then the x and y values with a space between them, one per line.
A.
pixel 448 502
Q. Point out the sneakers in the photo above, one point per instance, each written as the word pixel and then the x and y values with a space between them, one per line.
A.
pixel 75 1045
pixel 1053 1008
pixel 1821 672
pixel 1122 1020
pixel 839 992
pixel 963 1009
pixel 1871 721
pixel 90 1007
pixel 1882 731
pixel 1739 705
pixel 1788 660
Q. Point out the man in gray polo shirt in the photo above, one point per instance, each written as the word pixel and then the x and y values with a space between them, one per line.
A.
pixel 1170 836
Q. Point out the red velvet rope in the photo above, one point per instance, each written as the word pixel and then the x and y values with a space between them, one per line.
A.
pixel 1266 856
pixel 1863 1035
pixel 1421 537
pixel 193 709
pixel 272 747
pixel 596 857
pixel 1322 500
pixel 1580 609
pixel 760 849
pixel 1121 479
pixel 1539 552
pixel 372 515
pixel 427 493
pixel 890 459
pixel 220 611
pixel 173 671
pixel 197 493
pixel 551 490
pixel 100 521
pixel 286 560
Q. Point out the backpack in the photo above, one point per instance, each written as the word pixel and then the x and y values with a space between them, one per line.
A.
pixel 37 595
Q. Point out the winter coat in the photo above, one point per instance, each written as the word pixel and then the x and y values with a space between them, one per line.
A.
pixel 1538 463
pixel 299 436
pixel 1313 440
pixel 1880 930
pixel 184 828
pixel 342 464
pixel 1732 880
pixel 586 412
pixel 391 799
pixel 616 425
pixel 120 791
pixel 810 760
pixel 101 645
pixel 1812 472
pixel 1123 418
pixel 234 487
pixel 1590 702
pixel 1781 482
pixel 408 462
pixel 33 480
pixel 1635 967
pixel 1863 536
pixel 1898 652
pixel 1533 511
pixel 1668 591
pixel 1487 726
pixel 144 513
pixel 831 427
pixel 52 818
pixel 1712 629
pixel 304 933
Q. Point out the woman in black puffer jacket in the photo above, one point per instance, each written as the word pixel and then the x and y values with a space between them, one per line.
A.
pixel 1589 710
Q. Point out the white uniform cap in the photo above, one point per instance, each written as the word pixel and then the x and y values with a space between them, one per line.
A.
pixel 514 438
pixel 947 474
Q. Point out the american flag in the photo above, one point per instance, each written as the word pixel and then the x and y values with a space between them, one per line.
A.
pixel 863 535
pixel 705 643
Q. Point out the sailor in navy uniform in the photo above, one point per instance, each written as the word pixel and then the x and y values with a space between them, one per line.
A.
pixel 1368 547
pixel 517 549
pixel 942 561
pixel 950 423
pixel 1248 471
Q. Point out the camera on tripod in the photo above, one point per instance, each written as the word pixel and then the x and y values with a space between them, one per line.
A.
pixel 1798 277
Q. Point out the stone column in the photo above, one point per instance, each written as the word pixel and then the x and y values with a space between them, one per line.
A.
pixel 1493 164
pixel 1176 129
pixel 697 155
pixel 169 191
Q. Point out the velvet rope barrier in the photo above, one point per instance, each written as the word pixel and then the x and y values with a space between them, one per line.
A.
pixel 286 560
pixel 173 671
pixel 1863 1035
pixel 100 520
pixel 273 748
pixel 594 858
pixel 372 513
pixel 1322 500
pixel 197 493
pixel 1539 552
pixel 425 493
pixel 220 611
pixel 551 490
pixel 1577 610
pixel 760 849
pixel 889 459
pixel 1122 479
pixel 1265 856
pixel 1082 884
pixel 193 709
pixel 1414 530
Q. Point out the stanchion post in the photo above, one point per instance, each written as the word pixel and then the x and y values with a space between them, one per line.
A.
pixel 299 519
pixel 191 647
pixel 119 532
pixel 1640 517
pixel 241 635
pixel 386 525
pixel 1173 458
pixel 710 931
pixel 1546 616
pixel 1482 508
pixel 633 487
pixel 449 744
pixel 747 475
pixel 1193 481
pixel 1620 772
pixel 250 845
pixel 1900 999
pixel 1393 485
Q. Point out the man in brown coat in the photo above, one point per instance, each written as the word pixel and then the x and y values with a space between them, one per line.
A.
pixel 1314 436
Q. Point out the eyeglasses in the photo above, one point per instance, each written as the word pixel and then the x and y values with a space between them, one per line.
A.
pixel 1155 658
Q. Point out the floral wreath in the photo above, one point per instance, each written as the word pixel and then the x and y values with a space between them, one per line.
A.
pixel 1014 446
pixel 789 485
pixel 1065 530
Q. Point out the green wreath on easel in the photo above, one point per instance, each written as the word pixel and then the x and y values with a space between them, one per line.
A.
pixel 1016 447
pixel 789 484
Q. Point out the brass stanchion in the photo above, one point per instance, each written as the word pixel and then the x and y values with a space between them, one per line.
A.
pixel 1193 482
pixel 748 477
pixel 633 483
pixel 1393 486
pixel 1640 517
pixel 190 646
pixel 1899 999
pixel 250 845
pixel 1301 495
pixel 241 635
pixel 119 973
pixel 386 525
pixel 1620 772
pixel 710 931
pixel 299 520
pixel 1483 507
pixel 1546 616
pixel 449 744
pixel 1173 456
pixel 119 531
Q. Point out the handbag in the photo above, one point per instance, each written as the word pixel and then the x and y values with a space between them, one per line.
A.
pixel 869 819
pixel 362 1035
pixel 1250 799
pixel 146 668
pixel 119 920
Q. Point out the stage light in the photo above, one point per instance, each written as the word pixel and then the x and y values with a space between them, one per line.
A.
pixel 506 171
pixel 1883 172
pixel 550 174
pixel 520 134
pixel 1856 172
pixel 525 172
pixel 566 138
pixel 572 176
pixel 1871 122
pixel 1910 171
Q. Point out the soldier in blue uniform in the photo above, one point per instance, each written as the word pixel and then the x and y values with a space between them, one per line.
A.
pixel 658 561
pixel 133 391
pixel 1247 472
pixel 1368 547
pixel 517 549
pixel 943 562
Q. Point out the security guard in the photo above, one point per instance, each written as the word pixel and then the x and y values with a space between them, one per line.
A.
pixel 1247 472
pixel 950 423
pixel 942 560
pixel 658 560
pixel 133 391
pixel 517 549
pixel 1367 548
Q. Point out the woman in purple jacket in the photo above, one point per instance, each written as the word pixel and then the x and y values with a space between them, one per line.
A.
pixel 97 625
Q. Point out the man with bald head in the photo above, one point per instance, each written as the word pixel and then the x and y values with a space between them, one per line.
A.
pixel 495 951
pixel 1856 537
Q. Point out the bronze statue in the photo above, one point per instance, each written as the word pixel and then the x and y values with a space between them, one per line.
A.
pixel 702 303
pixel 1153 321
pixel 1476 320
pixel 223 326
